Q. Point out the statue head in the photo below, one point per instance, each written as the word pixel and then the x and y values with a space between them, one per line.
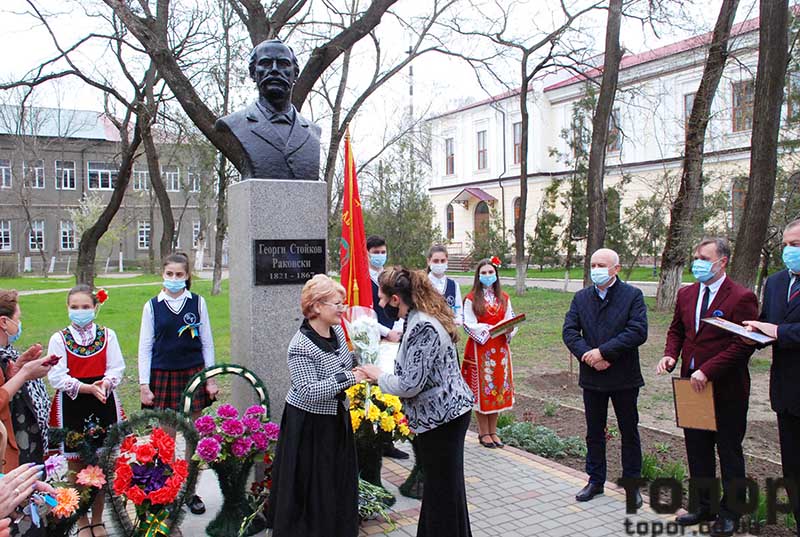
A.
pixel 273 67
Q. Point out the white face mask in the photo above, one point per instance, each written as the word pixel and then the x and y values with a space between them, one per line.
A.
pixel 438 268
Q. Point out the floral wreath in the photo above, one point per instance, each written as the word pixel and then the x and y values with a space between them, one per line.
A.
pixel 117 435
pixel 495 261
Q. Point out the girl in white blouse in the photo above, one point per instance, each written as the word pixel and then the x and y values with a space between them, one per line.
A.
pixel 447 287
pixel 89 369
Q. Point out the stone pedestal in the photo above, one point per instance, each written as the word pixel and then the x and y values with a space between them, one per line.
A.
pixel 264 318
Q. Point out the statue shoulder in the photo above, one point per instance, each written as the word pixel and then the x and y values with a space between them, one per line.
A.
pixel 316 129
pixel 235 119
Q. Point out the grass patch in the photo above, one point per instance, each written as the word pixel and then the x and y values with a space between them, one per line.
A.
pixel 37 283
pixel 44 314
pixel 505 419
pixel 542 441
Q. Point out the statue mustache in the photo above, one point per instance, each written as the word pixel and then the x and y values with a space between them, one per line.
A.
pixel 272 79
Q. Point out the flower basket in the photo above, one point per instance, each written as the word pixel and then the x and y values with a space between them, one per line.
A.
pixel 231 444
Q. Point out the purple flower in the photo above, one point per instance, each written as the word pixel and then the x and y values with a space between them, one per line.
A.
pixel 241 446
pixel 208 449
pixel 205 425
pixel 272 430
pixel 260 440
pixel 219 438
pixel 255 410
pixel 253 425
pixel 227 411
pixel 150 477
pixel 55 466
pixel 233 427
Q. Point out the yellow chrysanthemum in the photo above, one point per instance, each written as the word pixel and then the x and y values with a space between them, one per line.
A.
pixel 404 430
pixel 374 413
pixel 355 419
pixel 387 424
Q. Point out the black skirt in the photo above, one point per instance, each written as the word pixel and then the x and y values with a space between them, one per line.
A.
pixel 314 476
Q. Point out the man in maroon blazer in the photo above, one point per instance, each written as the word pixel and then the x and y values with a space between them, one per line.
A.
pixel 710 354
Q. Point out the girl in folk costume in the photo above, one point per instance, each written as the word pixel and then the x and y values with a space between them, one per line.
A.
pixel 487 360
pixel 89 369
pixel 175 343
pixel 437 267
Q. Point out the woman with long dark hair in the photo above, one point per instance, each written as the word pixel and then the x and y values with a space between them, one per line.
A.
pixel 436 400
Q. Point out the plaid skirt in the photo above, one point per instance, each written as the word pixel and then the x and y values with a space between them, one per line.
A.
pixel 167 387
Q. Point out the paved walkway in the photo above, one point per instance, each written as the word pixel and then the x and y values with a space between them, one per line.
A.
pixel 511 494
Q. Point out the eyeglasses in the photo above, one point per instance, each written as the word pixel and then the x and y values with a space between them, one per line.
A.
pixel 338 306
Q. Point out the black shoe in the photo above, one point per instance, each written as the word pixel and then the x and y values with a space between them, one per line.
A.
pixel 723 527
pixel 489 444
pixel 588 492
pixel 690 519
pixel 196 505
pixel 394 453
pixel 639 501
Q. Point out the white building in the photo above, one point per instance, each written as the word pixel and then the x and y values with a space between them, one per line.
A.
pixel 475 150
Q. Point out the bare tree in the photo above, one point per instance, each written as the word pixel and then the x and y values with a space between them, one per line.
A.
pixel 600 123
pixel 770 77
pixel 686 206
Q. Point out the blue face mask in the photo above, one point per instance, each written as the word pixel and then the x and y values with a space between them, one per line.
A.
pixel 791 258
pixel 12 338
pixel 702 270
pixel 599 276
pixel 488 279
pixel 377 260
pixel 81 318
pixel 174 286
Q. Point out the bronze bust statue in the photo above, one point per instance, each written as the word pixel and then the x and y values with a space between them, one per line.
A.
pixel 278 141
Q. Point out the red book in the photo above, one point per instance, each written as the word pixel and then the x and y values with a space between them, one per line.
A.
pixel 505 327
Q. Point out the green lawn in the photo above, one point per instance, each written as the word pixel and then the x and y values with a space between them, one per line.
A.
pixel 44 314
pixel 639 274
pixel 36 283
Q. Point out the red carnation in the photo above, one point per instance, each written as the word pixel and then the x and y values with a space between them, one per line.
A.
pixel 495 261
pixel 136 495
pixel 101 295
pixel 145 453
pixel 164 443
pixel 123 478
pixel 162 496
pixel 181 469
pixel 127 444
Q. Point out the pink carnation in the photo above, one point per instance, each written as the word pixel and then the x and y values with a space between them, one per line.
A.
pixel 233 427
pixel 253 425
pixel 208 449
pixel 219 438
pixel 272 430
pixel 241 446
pixel 260 440
pixel 255 410
pixel 227 411
pixel 205 425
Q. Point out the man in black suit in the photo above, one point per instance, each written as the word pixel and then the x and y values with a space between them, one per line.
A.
pixel 279 143
pixel 604 327
pixel 780 318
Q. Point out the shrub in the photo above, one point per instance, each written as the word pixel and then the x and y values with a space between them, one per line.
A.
pixel 550 409
pixel 542 441
pixel 505 419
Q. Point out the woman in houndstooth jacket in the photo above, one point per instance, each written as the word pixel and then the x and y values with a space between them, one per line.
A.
pixel 315 474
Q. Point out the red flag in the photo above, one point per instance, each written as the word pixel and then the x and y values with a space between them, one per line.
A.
pixel 353 246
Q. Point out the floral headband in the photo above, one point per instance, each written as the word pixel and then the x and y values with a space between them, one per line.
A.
pixel 495 261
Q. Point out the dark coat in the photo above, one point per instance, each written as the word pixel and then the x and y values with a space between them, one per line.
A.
pixel 617 326
pixel 784 375
pixel 720 355
pixel 267 157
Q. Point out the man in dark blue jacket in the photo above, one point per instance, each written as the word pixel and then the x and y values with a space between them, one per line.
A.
pixel 604 327
pixel 780 318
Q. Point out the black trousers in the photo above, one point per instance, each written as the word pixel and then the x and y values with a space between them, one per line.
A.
pixel 444 496
pixel 727 439
pixel 595 404
pixel 789 434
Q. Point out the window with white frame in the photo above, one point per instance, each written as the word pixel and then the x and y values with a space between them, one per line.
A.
pixel 67 235
pixel 688 104
pixel 36 236
pixel 65 175
pixel 517 132
pixel 742 110
pixel 449 156
pixel 614 140
pixel 143 234
pixel 141 180
pixel 5 235
pixel 5 173
pixel 172 178
pixel 33 173
pixel 193 179
pixel 101 175
pixel 483 152
pixel 196 234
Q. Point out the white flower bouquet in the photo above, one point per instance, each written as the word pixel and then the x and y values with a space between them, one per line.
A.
pixel 364 334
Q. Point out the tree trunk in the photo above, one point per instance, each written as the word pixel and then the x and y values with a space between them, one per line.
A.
pixel 87 250
pixel 164 204
pixel 600 126
pixel 221 225
pixel 685 207
pixel 770 79
pixel 519 222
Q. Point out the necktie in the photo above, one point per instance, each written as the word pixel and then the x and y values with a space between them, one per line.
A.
pixel 704 305
pixel 794 291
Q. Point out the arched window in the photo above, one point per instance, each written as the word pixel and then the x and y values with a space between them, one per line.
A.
pixel 451 223
pixel 738 197
pixel 482 220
